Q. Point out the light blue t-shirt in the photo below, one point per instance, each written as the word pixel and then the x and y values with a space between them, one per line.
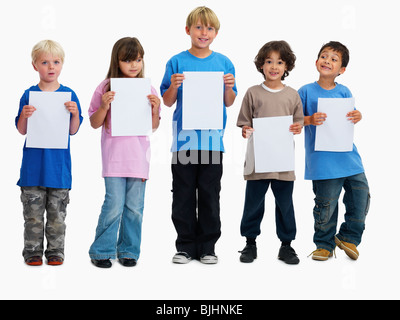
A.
pixel 321 165
pixel 50 168
pixel 195 139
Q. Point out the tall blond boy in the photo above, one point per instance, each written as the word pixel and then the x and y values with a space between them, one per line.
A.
pixel 197 157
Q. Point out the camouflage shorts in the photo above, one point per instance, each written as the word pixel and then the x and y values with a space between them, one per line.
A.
pixel 36 201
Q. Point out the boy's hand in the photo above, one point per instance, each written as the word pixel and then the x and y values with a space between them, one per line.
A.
pixel 229 81
pixel 295 128
pixel 106 100
pixel 354 116
pixel 176 80
pixel 27 111
pixel 72 107
pixel 318 118
pixel 247 132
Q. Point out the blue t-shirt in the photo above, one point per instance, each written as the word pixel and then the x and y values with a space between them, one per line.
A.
pixel 321 165
pixel 195 139
pixel 49 168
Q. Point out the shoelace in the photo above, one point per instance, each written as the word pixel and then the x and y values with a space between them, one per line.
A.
pixel 334 251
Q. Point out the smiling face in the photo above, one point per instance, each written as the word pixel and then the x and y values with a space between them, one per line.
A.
pixel 202 36
pixel 49 67
pixel 329 63
pixel 274 68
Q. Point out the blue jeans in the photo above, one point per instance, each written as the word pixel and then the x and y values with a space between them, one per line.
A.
pixel 119 229
pixel 356 200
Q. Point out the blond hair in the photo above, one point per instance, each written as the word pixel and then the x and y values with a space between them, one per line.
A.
pixel 206 16
pixel 49 47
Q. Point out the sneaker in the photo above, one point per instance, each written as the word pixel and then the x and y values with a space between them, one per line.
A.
pixel 249 253
pixel 55 261
pixel 34 261
pixel 288 255
pixel 321 255
pixel 210 258
pixel 181 258
pixel 349 248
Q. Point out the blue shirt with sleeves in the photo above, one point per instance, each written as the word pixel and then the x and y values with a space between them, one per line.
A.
pixel 321 165
pixel 49 168
pixel 211 140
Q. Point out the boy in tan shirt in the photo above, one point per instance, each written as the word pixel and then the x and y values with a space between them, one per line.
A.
pixel 270 99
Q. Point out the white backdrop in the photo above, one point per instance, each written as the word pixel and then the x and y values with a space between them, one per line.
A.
pixel 87 30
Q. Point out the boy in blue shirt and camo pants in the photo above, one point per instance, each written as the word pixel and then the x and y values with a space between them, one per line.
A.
pixel 45 177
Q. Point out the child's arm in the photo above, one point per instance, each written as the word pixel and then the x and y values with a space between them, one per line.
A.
pixel 155 110
pixel 230 95
pixel 316 119
pixel 72 107
pixel 26 113
pixel 97 118
pixel 171 94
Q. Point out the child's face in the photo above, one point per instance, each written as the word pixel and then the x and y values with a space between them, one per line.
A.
pixel 274 67
pixel 329 63
pixel 202 36
pixel 131 68
pixel 49 67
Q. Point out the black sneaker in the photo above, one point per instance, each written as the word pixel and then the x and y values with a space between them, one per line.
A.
pixel 288 255
pixel 249 253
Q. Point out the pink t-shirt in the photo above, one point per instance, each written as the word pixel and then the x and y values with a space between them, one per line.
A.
pixel 127 157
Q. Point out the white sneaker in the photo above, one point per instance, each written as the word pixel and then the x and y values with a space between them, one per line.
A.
pixel 181 258
pixel 209 258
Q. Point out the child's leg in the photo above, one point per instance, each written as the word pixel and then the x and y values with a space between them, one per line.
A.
pixel 130 232
pixel 56 207
pixel 325 212
pixel 33 201
pixel 356 200
pixel 209 187
pixel 254 206
pixel 284 210
pixel 105 243
pixel 184 214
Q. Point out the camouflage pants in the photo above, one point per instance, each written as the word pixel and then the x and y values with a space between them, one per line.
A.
pixel 37 200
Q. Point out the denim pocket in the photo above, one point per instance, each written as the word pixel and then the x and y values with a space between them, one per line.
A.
pixel 321 212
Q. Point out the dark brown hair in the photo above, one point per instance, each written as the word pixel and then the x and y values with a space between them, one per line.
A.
pixel 285 52
pixel 337 47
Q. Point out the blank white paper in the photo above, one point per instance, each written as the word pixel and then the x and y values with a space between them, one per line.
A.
pixel 131 113
pixel 48 127
pixel 203 101
pixel 336 134
pixel 273 144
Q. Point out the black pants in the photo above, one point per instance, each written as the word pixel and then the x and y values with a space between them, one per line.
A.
pixel 195 207
pixel 253 212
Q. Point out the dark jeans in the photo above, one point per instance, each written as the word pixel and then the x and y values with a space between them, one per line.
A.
pixel 254 207
pixel 195 207
pixel 356 199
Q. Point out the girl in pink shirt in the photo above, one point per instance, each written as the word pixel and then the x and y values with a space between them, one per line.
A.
pixel 125 165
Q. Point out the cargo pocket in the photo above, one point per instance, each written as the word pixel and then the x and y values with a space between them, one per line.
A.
pixel 321 212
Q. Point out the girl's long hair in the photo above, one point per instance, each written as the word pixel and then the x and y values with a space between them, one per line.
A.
pixel 124 49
